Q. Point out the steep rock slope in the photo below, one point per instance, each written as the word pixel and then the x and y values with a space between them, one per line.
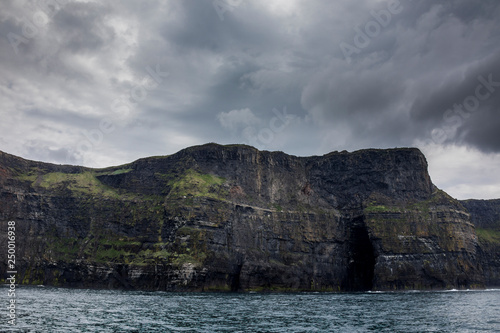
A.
pixel 232 217
pixel 485 214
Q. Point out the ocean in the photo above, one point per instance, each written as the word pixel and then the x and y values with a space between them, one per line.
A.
pixel 47 309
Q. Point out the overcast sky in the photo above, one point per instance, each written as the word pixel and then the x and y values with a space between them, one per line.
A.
pixel 101 83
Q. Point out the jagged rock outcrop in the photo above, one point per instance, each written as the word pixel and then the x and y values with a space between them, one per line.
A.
pixel 232 217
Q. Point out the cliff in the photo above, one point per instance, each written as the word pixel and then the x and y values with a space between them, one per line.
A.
pixel 235 218
pixel 485 214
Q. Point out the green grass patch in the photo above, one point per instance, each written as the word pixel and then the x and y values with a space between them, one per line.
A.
pixel 30 177
pixel 120 171
pixel 79 183
pixel 488 236
pixel 63 248
pixel 376 209
pixel 193 183
pixel 111 254
pixel 184 258
pixel 83 183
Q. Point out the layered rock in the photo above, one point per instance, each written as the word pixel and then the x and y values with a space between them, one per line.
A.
pixel 485 214
pixel 232 217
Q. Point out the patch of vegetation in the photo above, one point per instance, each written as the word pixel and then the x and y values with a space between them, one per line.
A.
pixel 112 254
pixel 62 248
pixel 377 209
pixel 193 183
pixel 84 183
pixel 403 227
pixel 120 171
pixel 30 177
pixel 119 252
pixel 166 177
pixel 187 248
pixel 488 236
pixel 184 258
pixel 151 256
pixel 114 170
pixel 32 276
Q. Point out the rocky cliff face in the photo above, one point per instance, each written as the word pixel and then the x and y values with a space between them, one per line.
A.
pixel 232 217
pixel 485 214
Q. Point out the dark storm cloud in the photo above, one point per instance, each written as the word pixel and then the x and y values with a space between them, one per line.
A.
pixel 398 88
pixel 466 108
pixel 219 65
pixel 229 71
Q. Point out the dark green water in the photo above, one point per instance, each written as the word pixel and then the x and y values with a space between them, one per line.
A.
pixel 42 309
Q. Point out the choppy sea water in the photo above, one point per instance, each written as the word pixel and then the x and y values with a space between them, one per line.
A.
pixel 44 309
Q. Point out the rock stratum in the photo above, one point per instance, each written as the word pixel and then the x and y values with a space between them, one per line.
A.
pixel 233 218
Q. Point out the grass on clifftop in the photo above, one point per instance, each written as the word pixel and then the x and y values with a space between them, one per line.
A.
pixel 115 172
pixel 84 183
pixel 193 183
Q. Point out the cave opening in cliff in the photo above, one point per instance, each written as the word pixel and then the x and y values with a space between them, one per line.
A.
pixel 235 283
pixel 362 257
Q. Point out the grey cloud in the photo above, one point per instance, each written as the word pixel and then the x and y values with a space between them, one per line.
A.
pixel 456 105
pixel 395 91
pixel 81 27
pixel 44 151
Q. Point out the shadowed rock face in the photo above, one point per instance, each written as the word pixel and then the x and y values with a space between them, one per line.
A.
pixel 234 218
pixel 485 214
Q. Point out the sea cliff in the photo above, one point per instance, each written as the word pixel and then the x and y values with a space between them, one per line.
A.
pixel 233 218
